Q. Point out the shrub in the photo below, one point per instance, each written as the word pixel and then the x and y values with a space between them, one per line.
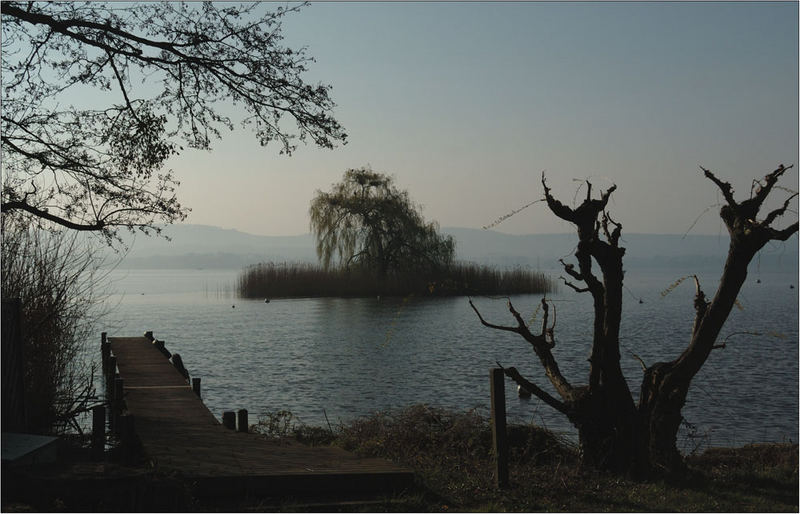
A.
pixel 54 276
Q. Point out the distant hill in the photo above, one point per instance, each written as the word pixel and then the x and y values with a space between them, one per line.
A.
pixel 203 246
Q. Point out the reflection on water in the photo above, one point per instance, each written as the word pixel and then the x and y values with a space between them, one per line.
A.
pixel 348 357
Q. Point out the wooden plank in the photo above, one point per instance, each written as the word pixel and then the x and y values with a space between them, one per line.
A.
pixel 182 436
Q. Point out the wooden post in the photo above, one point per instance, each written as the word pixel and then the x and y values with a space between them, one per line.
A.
pixel 241 420
pixel 229 419
pixel 111 373
pixel 127 430
pixel 116 405
pixel 196 386
pixel 105 350
pixel 499 439
pixel 98 431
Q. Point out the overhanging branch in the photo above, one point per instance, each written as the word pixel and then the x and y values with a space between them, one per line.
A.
pixel 22 206
pixel 540 393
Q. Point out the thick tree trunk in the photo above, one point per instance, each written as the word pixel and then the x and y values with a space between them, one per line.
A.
pixel 660 403
pixel 607 434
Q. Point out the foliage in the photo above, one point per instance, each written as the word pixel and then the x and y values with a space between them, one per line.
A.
pixel 271 280
pixel 54 275
pixel 83 145
pixel 368 222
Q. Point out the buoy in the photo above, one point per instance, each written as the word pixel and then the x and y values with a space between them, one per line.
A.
pixel 522 392
pixel 758 281
pixel 233 306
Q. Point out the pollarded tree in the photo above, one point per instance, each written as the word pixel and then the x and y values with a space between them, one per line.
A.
pixel 368 222
pixel 616 432
pixel 84 145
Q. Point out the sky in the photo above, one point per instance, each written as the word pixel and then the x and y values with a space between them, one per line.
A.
pixel 466 104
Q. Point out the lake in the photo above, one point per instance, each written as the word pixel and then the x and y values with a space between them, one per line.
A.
pixel 343 358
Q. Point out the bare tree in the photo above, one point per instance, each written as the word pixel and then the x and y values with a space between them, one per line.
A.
pixel 616 432
pixel 81 150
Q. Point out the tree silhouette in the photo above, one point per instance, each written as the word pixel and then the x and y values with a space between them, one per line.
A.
pixel 615 432
pixel 96 98
pixel 368 222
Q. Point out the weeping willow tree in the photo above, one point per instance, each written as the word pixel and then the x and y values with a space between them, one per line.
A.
pixel 367 222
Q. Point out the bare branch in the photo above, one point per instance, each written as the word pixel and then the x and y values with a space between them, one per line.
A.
pixel 725 187
pixel 641 362
pixel 769 181
pixel 574 287
pixel 508 215
pixel 783 235
pixel 613 237
pixel 570 269
pixel 492 325
pixel 700 305
pixel 540 393
pixel 17 205
pixel 778 212
pixel 546 309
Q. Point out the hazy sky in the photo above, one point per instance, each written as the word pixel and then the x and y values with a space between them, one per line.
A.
pixel 466 104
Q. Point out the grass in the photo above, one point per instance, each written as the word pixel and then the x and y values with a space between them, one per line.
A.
pixel 450 452
pixel 271 280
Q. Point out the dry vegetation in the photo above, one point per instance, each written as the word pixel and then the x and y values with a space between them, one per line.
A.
pixel 270 280
pixel 450 452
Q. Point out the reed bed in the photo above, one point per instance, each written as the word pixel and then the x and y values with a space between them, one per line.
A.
pixel 299 280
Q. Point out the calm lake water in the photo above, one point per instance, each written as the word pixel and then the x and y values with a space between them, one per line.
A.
pixel 348 357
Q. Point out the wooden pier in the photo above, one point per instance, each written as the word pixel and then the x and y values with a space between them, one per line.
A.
pixel 179 436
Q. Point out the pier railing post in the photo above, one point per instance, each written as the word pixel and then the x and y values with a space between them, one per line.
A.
pixel 241 420
pixel 98 431
pixel 196 386
pixel 105 350
pixel 111 373
pixel 116 405
pixel 229 419
pixel 127 434
pixel 499 439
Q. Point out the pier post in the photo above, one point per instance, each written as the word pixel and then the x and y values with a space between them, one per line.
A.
pixel 116 405
pixel 98 431
pixel 105 350
pixel 111 372
pixel 499 439
pixel 127 434
pixel 229 419
pixel 196 386
pixel 241 420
